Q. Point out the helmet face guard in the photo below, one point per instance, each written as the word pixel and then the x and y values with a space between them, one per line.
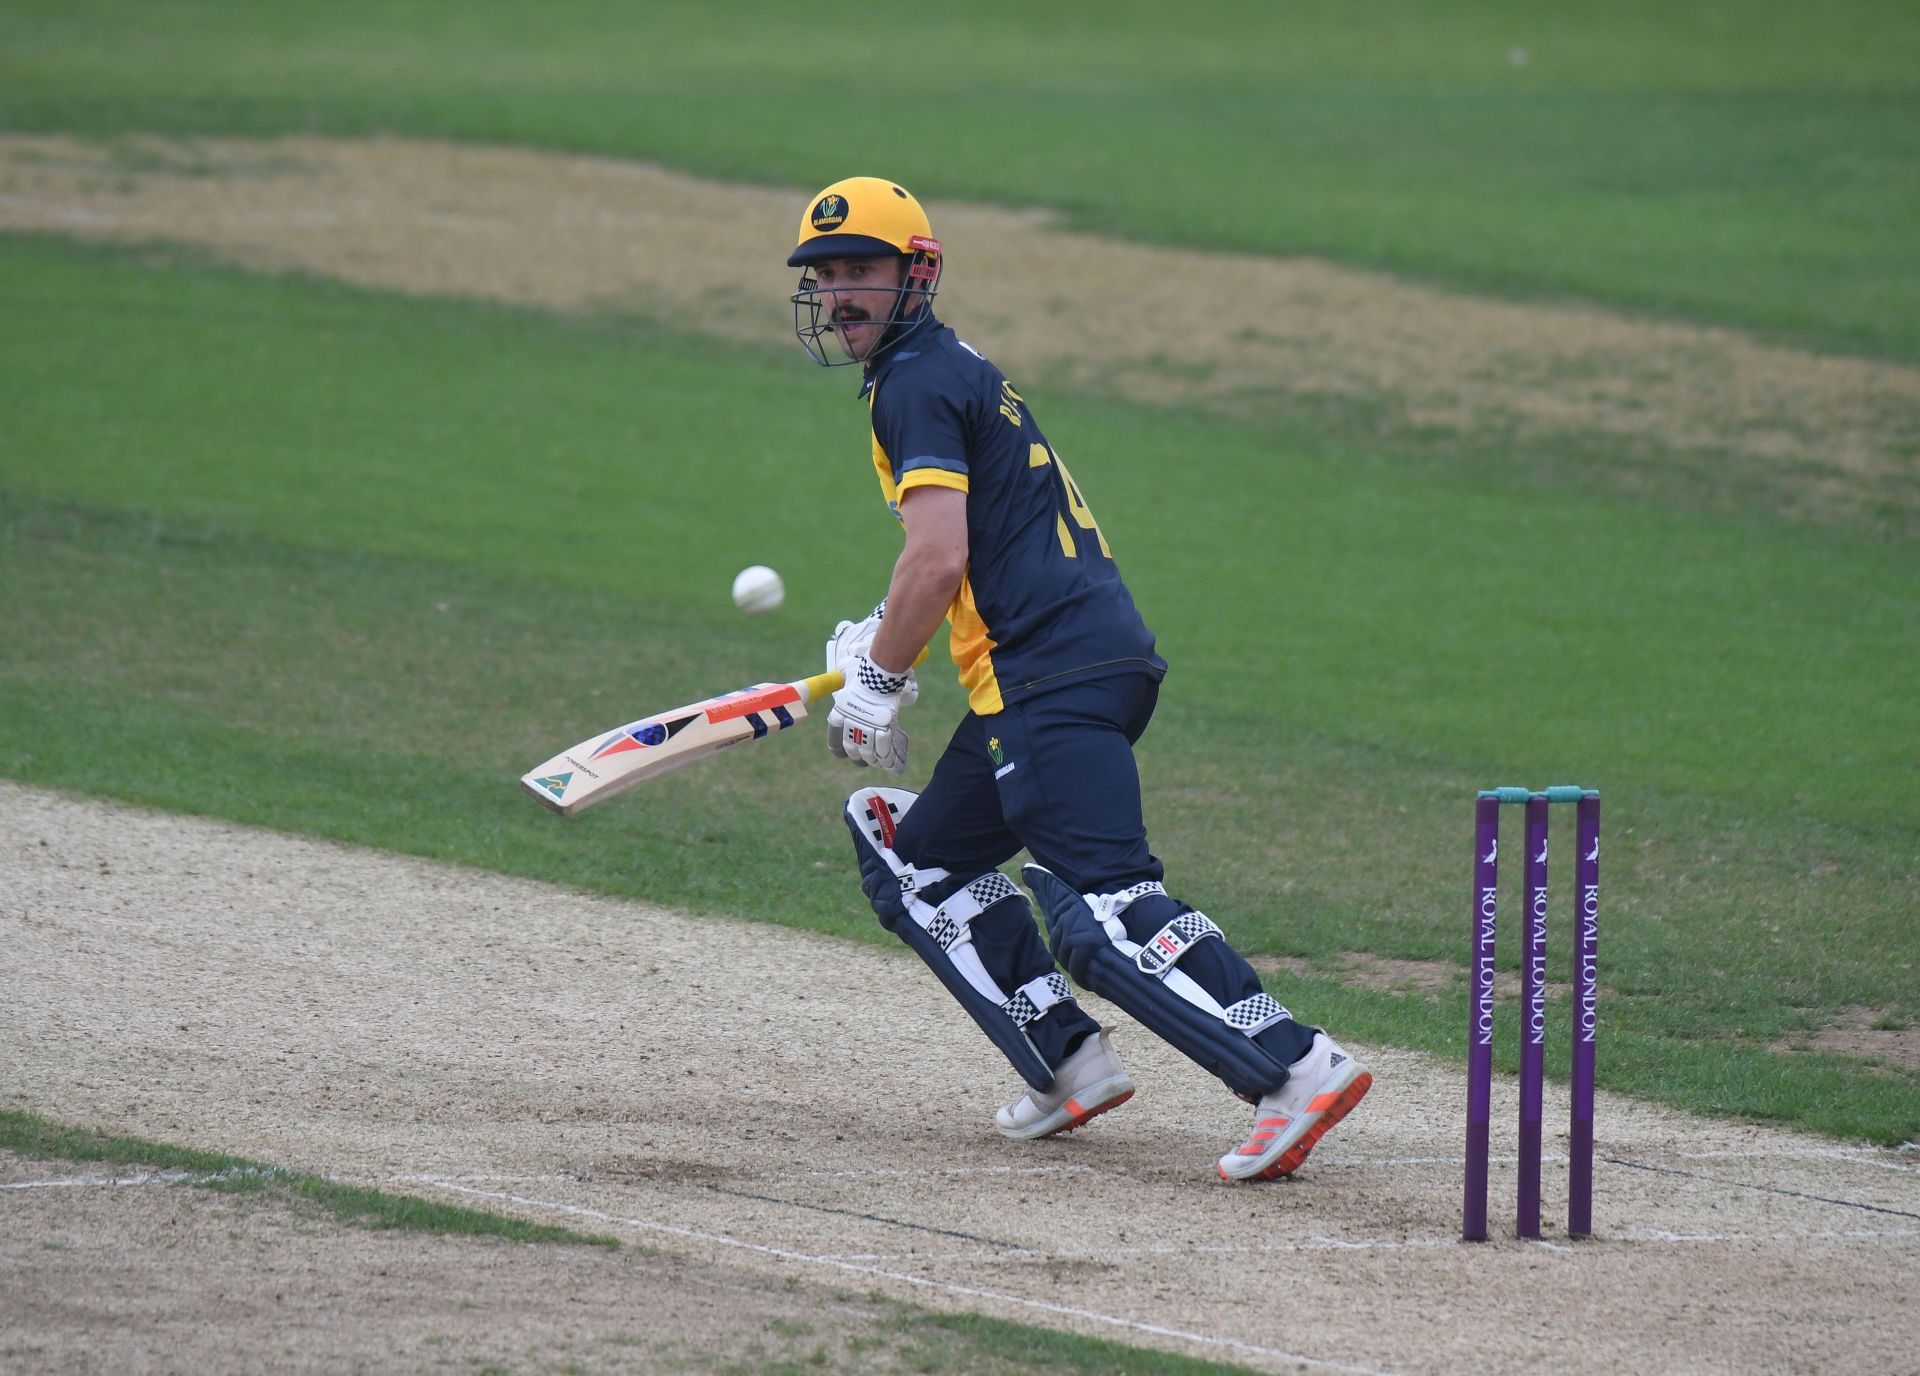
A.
pixel 814 305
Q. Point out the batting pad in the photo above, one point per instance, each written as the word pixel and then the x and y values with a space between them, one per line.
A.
pixel 942 935
pixel 1092 940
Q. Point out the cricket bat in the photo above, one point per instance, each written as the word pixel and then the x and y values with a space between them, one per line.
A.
pixel 603 765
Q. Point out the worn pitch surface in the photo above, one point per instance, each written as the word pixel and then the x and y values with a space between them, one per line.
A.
pixel 778 1110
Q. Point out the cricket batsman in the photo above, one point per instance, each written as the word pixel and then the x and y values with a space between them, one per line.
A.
pixel 1061 679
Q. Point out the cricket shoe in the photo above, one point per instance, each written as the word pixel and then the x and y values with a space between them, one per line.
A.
pixel 1086 1085
pixel 1322 1088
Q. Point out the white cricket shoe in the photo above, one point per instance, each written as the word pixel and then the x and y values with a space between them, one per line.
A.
pixel 1322 1088
pixel 1086 1085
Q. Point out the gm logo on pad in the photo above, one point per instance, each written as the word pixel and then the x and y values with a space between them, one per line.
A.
pixel 830 213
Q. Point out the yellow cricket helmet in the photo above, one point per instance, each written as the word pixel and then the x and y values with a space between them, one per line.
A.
pixel 862 217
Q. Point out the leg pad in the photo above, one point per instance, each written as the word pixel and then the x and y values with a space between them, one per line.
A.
pixel 936 915
pixel 1144 978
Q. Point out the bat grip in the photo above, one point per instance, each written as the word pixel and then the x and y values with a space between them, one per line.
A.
pixel 822 685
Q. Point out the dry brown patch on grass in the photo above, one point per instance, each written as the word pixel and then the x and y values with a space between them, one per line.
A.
pixel 1376 972
pixel 1426 978
pixel 1230 331
pixel 1869 1033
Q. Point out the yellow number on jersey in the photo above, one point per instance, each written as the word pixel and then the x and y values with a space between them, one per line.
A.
pixel 1038 457
pixel 1010 402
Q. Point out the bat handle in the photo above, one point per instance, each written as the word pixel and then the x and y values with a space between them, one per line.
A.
pixel 822 685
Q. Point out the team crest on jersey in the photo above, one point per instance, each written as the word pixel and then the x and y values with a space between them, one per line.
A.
pixel 993 749
pixel 830 213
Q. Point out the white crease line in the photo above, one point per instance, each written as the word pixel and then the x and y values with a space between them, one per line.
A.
pixel 1001 1297
pixel 1859 1156
pixel 997 1255
pixel 1314 1243
pixel 1323 1160
pixel 863 1173
pixel 1661 1235
pixel 1318 1243
pixel 474 1176
pixel 78 1181
pixel 143 1178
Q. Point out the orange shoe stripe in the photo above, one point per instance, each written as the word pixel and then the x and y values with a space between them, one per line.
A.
pixel 1292 1159
pixel 1079 1116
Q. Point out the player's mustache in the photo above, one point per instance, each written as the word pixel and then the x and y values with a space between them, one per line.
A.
pixel 848 314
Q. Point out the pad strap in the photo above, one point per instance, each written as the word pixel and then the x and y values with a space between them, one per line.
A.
pixel 1164 949
pixel 949 923
pixel 1155 959
pixel 1032 999
pixel 1254 1014
pixel 1107 907
pixel 1145 981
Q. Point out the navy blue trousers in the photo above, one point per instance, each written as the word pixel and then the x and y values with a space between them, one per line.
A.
pixel 1054 774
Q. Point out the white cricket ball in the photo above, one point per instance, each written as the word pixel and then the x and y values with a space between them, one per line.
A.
pixel 758 589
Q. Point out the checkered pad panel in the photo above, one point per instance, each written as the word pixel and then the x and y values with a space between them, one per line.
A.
pixel 1255 1014
pixel 990 888
pixel 1021 1008
pixel 951 924
pixel 946 931
pixel 1193 926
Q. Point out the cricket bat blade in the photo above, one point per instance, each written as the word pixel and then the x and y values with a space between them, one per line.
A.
pixel 604 765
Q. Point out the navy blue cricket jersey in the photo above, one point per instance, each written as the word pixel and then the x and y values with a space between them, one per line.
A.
pixel 1041 603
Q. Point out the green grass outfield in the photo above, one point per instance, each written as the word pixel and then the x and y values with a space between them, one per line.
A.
pixel 345 564
pixel 1756 164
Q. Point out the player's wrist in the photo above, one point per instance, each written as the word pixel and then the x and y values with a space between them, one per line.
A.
pixel 875 677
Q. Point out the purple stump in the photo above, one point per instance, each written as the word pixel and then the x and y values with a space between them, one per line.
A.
pixel 1586 1005
pixel 1533 1024
pixel 1486 901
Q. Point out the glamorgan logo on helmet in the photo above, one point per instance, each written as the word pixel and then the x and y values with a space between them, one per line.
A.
pixel 859 217
pixel 830 212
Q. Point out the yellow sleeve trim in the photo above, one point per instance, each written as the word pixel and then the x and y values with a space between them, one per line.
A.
pixel 933 477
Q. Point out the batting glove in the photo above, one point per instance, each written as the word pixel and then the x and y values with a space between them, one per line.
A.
pixel 852 638
pixel 857 638
pixel 864 723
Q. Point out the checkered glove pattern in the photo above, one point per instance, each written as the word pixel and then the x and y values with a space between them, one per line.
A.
pixel 864 723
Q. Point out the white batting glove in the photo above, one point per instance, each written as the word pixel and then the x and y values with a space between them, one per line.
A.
pixel 852 638
pixel 864 723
